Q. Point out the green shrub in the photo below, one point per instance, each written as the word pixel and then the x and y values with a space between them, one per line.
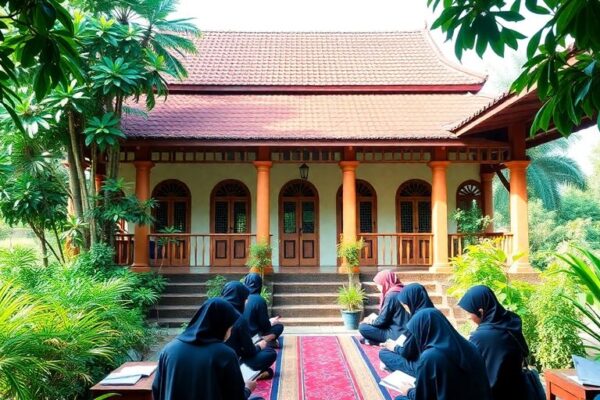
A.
pixel 266 294
pixel 555 339
pixel 351 297
pixel 542 307
pixel 214 286
pixel 84 321
pixel 260 257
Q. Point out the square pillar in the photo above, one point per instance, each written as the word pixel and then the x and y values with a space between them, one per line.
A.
pixel 141 250
pixel 519 222
pixel 439 216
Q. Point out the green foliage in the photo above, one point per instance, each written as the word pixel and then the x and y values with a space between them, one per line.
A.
pixel 103 131
pixel 349 252
pixel 65 326
pixel 214 286
pixel 540 306
pixel 576 203
pixel 584 269
pixel 260 257
pixel 266 294
pixel 567 78
pixel 351 297
pixel 555 340
pixel 37 34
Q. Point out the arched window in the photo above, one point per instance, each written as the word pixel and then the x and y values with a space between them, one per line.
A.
pixel 173 206
pixel 467 193
pixel 413 207
pixel 230 214
pixel 298 224
pixel 230 202
pixel 366 218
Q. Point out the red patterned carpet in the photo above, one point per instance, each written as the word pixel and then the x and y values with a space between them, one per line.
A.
pixel 324 368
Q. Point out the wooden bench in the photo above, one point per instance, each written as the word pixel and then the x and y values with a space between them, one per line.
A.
pixel 142 390
pixel 559 385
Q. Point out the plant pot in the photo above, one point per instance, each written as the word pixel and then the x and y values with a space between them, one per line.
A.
pixel 351 319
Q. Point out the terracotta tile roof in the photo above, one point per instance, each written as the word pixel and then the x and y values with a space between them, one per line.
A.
pixel 322 59
pixel 303 117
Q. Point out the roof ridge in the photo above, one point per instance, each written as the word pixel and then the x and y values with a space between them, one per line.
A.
pixel 450 63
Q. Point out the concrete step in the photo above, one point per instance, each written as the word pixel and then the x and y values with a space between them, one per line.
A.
pixel 430 286
pixel 200 278
pixel 315 321
pixel 283 299
pixel 185 312
pixel 306 287
pixel 186 287
pixel 306 311
pixel 318 277
pixel 184 299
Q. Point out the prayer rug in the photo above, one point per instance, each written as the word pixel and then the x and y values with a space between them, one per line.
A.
pixel 322 368
pixel 370 355
pixel 268 388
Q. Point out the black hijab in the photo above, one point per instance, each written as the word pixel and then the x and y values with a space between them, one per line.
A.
pixel 236 294
pixel 494 316
pixel 430 329
pixel 210 323
pixel 415 297
pixel 254 283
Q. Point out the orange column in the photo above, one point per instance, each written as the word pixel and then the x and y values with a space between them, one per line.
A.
pixel 263 192
pixel 99 180
pixel 142 191
pixel 488 197
pixel 349 200
pixel 519 223
pixel 439 216
pixel 263 209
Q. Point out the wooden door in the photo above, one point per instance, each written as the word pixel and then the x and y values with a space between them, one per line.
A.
pixel 366 220
pixel 298 225
pixel 413 201
pixel 172 215
pixel 230 224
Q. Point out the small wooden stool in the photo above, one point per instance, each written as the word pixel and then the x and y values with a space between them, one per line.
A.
pixel 142 390
pixel 559 385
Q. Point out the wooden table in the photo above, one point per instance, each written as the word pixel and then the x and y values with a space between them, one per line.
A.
pixel 560 386
pixel 142 390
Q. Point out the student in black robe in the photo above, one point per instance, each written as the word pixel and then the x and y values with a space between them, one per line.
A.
pixel 256 312
pixel 448 366
pixel 414 297
pixel 499 338
pixel 392 317
pixel 197 365
pixel 257 356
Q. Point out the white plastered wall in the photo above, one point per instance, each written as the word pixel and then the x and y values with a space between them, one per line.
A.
pixel 327 178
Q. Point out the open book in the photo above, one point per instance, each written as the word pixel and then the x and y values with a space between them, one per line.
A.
pixel 248 373
pixel 128 376
pixel 396 380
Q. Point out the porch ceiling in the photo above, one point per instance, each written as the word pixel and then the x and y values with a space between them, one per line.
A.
pixel 304 117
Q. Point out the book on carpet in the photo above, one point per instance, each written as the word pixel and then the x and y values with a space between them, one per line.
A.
pixel 396 380
pixel 588 371
pixel 120 379
pixel 248 373
pixel 256 338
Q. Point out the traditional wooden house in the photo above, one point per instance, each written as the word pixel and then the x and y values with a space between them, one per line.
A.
pixel 298 138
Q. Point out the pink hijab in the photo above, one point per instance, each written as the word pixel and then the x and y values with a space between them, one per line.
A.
pixel 389 283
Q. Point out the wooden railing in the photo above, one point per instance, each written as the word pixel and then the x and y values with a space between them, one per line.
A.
pixel 124 248
pixel 199 250
pixel 398 249
pixel 459 241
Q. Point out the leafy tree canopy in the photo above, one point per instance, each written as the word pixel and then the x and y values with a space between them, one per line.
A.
pixel 563 56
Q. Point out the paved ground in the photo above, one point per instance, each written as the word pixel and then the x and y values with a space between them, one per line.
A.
pixel 170 333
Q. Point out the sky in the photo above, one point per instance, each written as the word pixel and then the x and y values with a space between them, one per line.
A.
pixel 356 16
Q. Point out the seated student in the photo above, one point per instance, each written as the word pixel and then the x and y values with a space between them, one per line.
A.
pixel 197 365
pixel 500 341
pixel 392 317
pixel 256 356
pixel 448 366
pixel 414 297
pixel 256 312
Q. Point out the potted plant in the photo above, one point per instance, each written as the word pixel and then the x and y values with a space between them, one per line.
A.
pixel 349 252
pixel 351 298
pixel 259 258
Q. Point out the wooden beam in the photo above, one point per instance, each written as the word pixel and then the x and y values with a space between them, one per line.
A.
pixel 503 179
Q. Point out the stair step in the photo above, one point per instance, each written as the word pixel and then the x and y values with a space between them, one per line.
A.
pixel 306 287
pixel 184 299
pixel 314 321
pixel 312 278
